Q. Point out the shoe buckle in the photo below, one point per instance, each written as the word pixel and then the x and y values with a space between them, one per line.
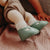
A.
pixel 27 29
pixel 37 23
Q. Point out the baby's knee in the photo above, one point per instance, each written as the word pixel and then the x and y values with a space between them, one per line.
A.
pixel 14 13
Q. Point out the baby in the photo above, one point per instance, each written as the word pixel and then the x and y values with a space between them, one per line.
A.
pixel 24 22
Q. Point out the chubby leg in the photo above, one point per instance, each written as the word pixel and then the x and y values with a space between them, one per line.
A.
pixel 29 18
pixel 23 29
pixel 16 18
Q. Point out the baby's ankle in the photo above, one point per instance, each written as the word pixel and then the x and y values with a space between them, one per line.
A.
pixel 20 25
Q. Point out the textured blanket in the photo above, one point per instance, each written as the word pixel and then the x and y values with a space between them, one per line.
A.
pixel 10 40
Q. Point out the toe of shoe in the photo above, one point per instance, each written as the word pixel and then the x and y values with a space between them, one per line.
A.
pixel 24 34
pixel 43 23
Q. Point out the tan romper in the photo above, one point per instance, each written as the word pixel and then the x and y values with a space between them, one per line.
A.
pixel 13 4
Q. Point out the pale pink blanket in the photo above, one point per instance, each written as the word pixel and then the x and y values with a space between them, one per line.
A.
pixel 9 40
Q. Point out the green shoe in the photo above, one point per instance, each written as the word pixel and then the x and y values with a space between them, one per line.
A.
pixel 39 24
pixel 27 32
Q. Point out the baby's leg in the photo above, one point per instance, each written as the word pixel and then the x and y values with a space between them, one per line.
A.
pixel 16 18
pixel 29 18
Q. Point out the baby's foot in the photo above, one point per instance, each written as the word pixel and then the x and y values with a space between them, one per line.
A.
pixel 25 31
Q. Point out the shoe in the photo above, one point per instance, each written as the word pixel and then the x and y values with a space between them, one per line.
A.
pixel 27 32
pixel 39 24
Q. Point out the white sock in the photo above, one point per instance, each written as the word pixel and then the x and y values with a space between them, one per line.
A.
pixel 20 25
pixel 30 18
pixel 17 18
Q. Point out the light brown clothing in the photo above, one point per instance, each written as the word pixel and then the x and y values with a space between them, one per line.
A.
pixel 11 5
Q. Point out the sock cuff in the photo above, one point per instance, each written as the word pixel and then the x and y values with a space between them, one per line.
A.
pixel 20 25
